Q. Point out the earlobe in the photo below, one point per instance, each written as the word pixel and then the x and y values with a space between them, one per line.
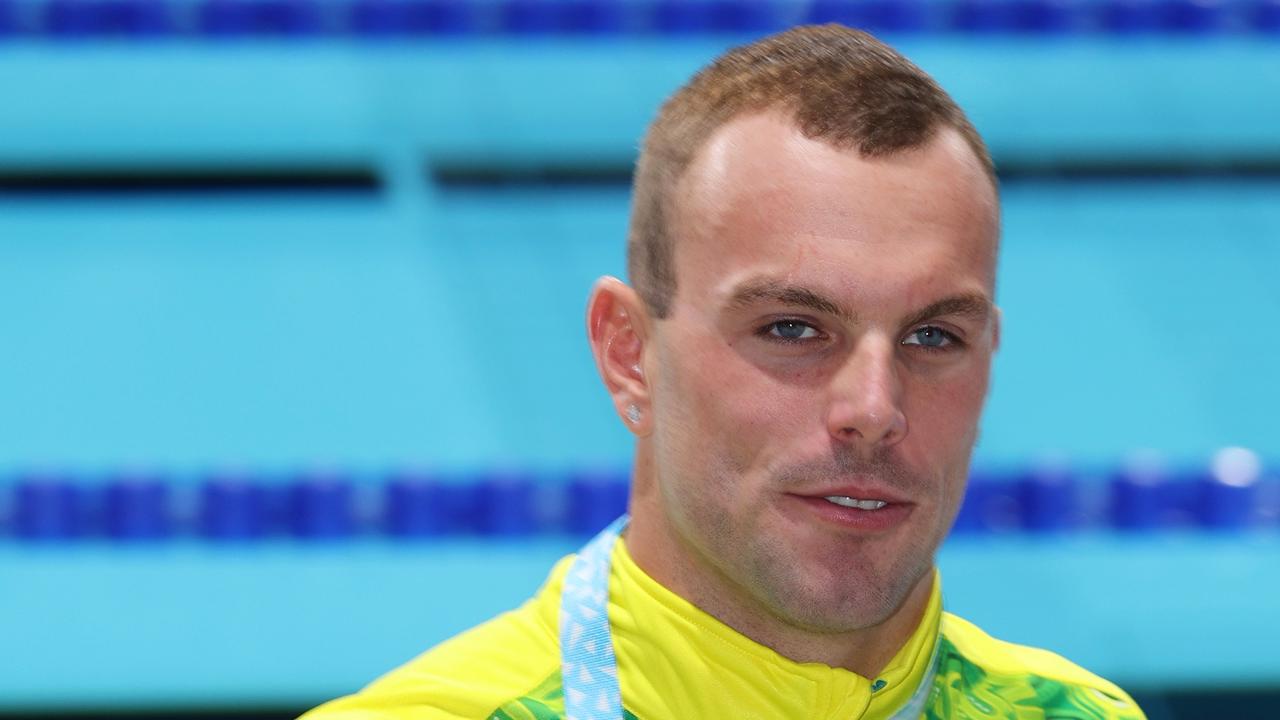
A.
pixel 617 330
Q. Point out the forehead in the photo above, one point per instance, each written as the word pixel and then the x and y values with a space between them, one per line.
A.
pixel 761 198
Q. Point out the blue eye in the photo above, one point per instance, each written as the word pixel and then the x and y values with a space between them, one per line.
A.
pixel 790 330
pixel 930 337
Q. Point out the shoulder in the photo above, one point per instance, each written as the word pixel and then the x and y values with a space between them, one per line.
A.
pixel 509 661
pixel 976 666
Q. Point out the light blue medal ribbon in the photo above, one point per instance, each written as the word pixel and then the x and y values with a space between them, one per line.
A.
pixel 588 669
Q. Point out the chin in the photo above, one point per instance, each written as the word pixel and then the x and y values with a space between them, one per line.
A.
pixel 849 598
pixel 820 598
pixel 875 604
pixel 834 615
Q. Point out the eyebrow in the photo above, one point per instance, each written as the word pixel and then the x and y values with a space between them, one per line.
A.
pixel 757 291
pixel 971 305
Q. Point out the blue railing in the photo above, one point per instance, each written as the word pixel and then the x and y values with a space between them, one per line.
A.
pixel 284 592
pixel 334 505
pixel 462 18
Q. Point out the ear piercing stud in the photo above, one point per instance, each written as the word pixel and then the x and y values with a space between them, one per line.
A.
pixel 633 414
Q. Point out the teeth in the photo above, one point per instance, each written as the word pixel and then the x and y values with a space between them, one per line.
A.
pixel 860 504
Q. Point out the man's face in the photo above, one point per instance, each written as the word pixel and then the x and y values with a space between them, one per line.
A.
pixel 831 337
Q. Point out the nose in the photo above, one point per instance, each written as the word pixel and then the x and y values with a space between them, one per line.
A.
pixel 866 397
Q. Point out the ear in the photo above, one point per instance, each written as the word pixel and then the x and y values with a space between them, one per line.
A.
pixel 617 328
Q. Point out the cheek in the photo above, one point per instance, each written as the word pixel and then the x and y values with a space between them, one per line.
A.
pixel 943 422
pixel 945 413
pixel 723 411
pixel 953 396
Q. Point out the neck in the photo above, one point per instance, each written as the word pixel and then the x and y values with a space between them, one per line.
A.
pixel 659 550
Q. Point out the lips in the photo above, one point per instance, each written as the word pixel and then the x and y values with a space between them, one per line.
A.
pixel 857 492
pixel 864 510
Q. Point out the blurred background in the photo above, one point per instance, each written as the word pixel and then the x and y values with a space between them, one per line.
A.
pixel 293 378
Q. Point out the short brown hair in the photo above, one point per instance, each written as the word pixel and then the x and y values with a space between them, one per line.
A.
pixel 841 85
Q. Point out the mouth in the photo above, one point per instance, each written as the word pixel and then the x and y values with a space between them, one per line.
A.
pixel 863 513
pixel 846 501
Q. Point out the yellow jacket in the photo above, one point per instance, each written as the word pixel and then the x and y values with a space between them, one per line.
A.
pixel 676 662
